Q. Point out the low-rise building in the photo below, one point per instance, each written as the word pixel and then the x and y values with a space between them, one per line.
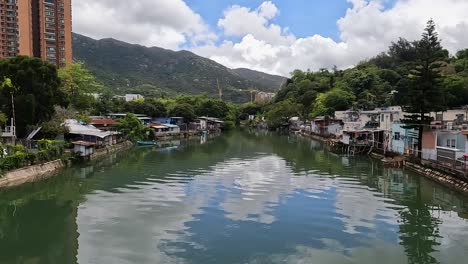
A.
pixel 133 97
pixel 263 97
pixel 209 124
pixel 78 131
pixel 326 126
pixel 165 130
pixel 8 134
pixel 404 140
pixel 106 124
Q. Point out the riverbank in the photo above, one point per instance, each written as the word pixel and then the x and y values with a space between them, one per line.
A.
pixel 31 174
pixel 111 149
pixel 46 170
pixel 448 180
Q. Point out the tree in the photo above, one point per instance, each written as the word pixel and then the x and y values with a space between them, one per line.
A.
pixel 212 108
pixel 183 110
pixel 3 119
pixel 334 100
pixel 37 90
pixel 281 113
pixel 149 107
pixel 133 129
pixel 77 79
pixel 425 92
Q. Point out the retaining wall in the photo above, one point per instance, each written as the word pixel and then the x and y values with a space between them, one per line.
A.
pixel 30 173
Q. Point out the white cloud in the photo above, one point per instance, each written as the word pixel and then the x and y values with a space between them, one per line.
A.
pixel 164 23
pixel 366 29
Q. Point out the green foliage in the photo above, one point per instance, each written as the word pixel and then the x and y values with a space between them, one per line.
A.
pixel 18 156
pixel 35 88
pixel 3 119
pixel 331 101
pixel 417 75
pixel 132 128
pixel 184 110
pixel 159 72
pixel 229 125
pixel 212 108
pixel 281 112
pixel 77 79
pixel 149 107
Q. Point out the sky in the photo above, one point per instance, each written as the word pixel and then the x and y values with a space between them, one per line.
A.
pixel 274 36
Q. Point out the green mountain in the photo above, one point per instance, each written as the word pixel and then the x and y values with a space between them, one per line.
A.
pixel 155 71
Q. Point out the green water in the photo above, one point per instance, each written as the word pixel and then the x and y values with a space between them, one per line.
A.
pixel 239 198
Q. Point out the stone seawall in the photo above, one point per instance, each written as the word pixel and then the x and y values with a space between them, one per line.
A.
pixel 447 180
pixel 442 178
pixel 112 149
pixel 43 171
pixel 30 173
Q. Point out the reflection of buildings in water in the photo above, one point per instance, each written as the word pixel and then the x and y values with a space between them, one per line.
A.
pixel 315 145
pixel 168 143
pixel 84 172
pixel 203 139
pixel 449 201
pixel 453 232
pixel 345 161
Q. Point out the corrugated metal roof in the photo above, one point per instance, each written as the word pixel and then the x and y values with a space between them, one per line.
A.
pixel 77 128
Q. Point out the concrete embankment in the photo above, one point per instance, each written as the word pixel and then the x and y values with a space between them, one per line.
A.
pixel 450 181
pixel 43 171
pixel 112 149
pixel 31 173
pixel 447 180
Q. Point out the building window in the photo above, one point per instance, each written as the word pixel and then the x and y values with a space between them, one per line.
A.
pixel 397 136
pixel 451 143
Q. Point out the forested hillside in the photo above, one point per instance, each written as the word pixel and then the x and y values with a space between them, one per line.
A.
pixel 125 68
pixel 419 75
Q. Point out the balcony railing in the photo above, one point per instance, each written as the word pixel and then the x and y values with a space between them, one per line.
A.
pixel 9 131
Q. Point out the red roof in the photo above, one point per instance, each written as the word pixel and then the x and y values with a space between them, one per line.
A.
pixel 108 122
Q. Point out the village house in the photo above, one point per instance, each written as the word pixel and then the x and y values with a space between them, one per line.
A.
pixel 78 131
pixel 143 118
pixel 326 126
pixel 451 115
pixel 446 147
pixel 263 97
pixel 208 124
pixel 106 124
pixel 165 130
pixel 8 134
pixel 404 140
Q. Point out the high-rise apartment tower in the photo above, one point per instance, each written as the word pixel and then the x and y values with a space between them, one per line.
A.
pixel 39 28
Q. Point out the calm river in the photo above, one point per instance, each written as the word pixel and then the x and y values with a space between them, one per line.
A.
pixel 239 198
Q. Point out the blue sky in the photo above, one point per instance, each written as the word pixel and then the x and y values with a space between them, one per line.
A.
pixel 274 36
pixel 302 17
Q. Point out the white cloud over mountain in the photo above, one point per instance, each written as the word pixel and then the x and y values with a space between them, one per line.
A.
pixel 366 29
